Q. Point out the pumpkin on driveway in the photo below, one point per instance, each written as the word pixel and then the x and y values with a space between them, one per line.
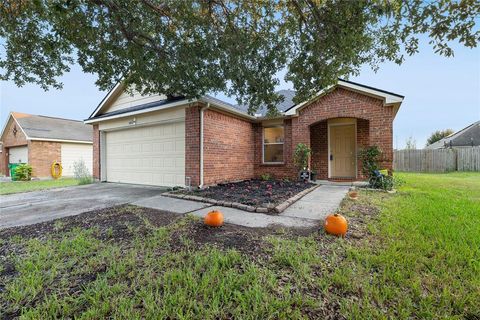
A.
pixel 214 219
pixel 336 224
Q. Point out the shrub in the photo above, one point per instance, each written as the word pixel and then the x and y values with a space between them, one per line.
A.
pixel 300 157
pixel 370 157
pixel 81 173
pixel 266 177
pixel 23 172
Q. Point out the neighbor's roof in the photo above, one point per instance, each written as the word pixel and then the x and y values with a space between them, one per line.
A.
pixel 468 136
pixel 52 129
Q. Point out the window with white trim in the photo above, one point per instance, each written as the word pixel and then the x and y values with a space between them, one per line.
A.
pixel 273 139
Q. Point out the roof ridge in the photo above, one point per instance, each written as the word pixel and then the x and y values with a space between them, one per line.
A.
pixel 59 118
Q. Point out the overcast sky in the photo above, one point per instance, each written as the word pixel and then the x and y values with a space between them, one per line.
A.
pixel 439 93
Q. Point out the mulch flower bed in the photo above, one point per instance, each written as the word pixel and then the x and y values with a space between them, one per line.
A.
pixel 254 193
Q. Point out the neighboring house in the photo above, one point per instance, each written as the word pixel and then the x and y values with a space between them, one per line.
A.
pixel 467 137
pixel 154 140
pixel 41 140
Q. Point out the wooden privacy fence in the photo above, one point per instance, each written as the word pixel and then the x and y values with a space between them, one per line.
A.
pixel 438 160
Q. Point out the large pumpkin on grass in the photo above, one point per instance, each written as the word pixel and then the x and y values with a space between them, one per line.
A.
pixel 214 219
pixel 336 224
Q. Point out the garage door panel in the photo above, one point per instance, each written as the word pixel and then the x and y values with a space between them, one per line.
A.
pixel 18 154
pixel 71 153
pixel 147 155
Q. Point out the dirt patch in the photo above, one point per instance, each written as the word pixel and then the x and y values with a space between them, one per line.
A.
pixel 255 192
pixel 117 222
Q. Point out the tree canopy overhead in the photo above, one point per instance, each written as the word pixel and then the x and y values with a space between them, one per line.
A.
pixel 192 47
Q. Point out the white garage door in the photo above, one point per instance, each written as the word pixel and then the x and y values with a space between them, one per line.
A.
pixel 75 152
pixel 153 155
pixel 18 154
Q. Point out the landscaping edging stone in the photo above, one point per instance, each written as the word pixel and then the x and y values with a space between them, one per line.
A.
pixel 276 209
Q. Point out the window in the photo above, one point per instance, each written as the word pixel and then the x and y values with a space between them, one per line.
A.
pixel 273 138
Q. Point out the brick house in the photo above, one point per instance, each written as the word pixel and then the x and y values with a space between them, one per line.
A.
pixel 40 140
pixel 155 140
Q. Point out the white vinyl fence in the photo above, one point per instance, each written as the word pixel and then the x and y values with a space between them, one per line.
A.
pixel 438 160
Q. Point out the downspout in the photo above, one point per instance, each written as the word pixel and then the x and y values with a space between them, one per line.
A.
pixel 201 143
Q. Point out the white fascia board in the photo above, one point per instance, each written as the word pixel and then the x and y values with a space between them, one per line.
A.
pixel 132 113
pixel 294 110
pixel 388 99
pixel 61 140
pixel 107 98
pixel 227 108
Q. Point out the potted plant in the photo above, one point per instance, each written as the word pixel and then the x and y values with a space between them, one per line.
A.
pixel 313 175
pixel 300 159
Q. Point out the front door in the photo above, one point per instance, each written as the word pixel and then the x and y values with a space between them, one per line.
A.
pixel 342 151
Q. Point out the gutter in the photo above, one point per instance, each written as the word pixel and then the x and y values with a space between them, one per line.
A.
pixel 201 143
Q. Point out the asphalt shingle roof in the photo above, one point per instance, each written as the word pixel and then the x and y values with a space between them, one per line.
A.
pixel 286 104
pixel 468 136
pixel 42 127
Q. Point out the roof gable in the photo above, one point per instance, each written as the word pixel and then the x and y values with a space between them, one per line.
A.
pixel 388 98
pixel 36 127
pixel 468 136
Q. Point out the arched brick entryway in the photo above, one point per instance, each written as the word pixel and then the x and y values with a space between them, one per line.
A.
pixel 374 125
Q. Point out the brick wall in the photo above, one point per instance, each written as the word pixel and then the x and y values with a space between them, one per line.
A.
pixel 363 141
pixel 228 148
pixel 319 146
pixel 10 139
pixel 341 103
pixel 96 152
pixel 285 170
pixel 192 144
pixel 41 155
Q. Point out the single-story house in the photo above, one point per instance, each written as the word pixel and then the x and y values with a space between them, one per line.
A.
pixel 40 141
pixel 155 140
pixel 467 137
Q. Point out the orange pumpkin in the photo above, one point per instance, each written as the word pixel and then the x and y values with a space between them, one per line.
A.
pixel 336 224
pixel 353 195
pixel 214 219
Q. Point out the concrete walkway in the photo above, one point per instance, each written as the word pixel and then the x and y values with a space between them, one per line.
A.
pixel 305 213
pixel 317 204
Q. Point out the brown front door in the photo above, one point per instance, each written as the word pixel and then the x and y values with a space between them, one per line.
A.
pixel 342 151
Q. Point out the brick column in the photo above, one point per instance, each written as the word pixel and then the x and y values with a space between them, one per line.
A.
pixel 192 145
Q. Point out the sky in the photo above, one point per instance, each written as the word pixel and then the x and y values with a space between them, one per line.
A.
pixel 439 92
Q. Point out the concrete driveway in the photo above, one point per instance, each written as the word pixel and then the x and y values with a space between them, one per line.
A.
pixel 38 206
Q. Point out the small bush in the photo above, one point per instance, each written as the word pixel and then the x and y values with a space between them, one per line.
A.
pixel 266 177
pixel 23 172
pixel 81 173
pixel 300 156
pixel 370 158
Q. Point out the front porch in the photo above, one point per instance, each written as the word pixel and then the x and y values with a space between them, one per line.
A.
pixel 335 144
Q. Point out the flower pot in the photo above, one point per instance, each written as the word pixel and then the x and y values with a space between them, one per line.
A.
pixel 353 194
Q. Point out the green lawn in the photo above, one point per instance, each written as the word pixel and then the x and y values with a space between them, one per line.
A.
pixel 414 254
pixel 24 186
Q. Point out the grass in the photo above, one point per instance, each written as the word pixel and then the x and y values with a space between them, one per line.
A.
pixel 415 254
pixel 35 185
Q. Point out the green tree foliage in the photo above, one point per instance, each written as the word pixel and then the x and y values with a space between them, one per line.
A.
pixel 438 135
pixel 193 47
